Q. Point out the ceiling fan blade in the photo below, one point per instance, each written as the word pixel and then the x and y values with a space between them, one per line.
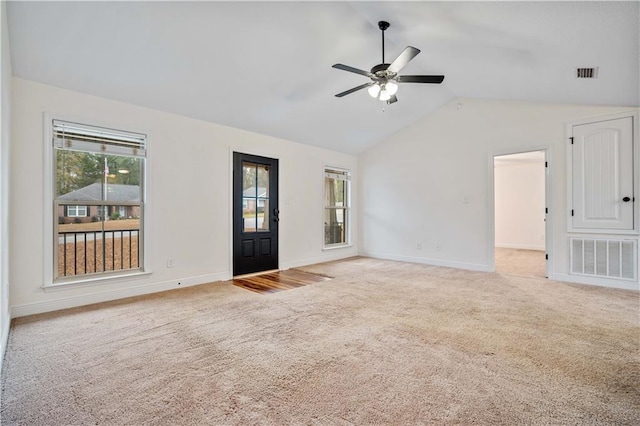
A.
pixel 403 58
pixel 392 100
pixel 435 79
pixel 355 89
pixel 352 69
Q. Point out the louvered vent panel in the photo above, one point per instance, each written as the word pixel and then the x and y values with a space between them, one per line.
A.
pixel 587 72
pixel 604 258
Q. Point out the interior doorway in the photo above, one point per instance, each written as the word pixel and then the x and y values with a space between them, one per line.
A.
pixel 520 213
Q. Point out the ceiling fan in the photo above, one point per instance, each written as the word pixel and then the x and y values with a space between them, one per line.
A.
pixel 384 77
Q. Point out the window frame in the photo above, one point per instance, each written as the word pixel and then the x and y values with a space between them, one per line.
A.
pixel 53 283
pixel 346 207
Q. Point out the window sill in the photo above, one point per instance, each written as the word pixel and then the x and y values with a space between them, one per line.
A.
pixel 88 282
pixel 337 246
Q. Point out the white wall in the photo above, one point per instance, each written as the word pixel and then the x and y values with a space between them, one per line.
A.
pixel 431 184
pixel 519 201
pixel 5 96
pixel 189 197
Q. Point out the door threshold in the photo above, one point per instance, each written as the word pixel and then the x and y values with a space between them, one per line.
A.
pixel 253 274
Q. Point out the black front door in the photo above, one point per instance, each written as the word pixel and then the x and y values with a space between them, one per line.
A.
pixel 255 213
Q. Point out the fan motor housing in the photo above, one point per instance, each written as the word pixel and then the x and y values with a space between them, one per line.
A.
pixel 379 67
pixel 380 72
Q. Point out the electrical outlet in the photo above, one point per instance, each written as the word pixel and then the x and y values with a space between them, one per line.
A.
pixel 419 246
pixel 170 263
pixel 438 247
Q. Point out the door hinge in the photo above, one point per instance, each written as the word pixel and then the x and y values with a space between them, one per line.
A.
pixel 546 256
pixel 546 210
pixel 571 212
pixel 546 164
pixel 571 138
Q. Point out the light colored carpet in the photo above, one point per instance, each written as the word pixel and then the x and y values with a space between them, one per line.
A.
pixel 525 263
pixel 382 343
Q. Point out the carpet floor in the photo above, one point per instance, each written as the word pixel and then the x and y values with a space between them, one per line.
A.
pixel 526 263
pixel 383 342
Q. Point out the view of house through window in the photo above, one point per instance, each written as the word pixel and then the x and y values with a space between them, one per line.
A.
pixel 336 207
pixel 98 199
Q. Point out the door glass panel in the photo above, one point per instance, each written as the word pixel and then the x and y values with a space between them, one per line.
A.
pixel 263 181
pixel 255 197
pixel 249 197
pixel 262 197
pixel 263 214
pixel 249 214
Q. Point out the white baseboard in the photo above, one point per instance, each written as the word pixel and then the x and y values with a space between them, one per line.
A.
pixel 335 254
pixel 139 290
pixel 433 262
pixel 520 246
pixel 108 295
pixel 577 279
pixel 4 338
pixel 599 281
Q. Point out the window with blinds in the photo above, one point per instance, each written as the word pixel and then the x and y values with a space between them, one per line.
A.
pixel 98 200
pixel 336 207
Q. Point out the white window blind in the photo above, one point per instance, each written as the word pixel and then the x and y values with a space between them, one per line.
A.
pixel 80 137
pixel 337 174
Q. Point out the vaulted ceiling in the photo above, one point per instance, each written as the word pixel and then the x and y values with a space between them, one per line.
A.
pixel 266 66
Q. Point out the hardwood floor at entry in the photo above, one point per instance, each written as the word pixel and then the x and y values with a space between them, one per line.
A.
pixel 278 281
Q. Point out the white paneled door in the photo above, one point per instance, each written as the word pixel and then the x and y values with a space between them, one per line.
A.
pixel 602 175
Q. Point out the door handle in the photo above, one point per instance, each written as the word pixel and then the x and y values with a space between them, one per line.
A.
pixel 626 199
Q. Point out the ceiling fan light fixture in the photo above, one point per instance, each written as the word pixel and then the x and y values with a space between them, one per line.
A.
pixel 391 88
pixel 384 76
pixel 374 91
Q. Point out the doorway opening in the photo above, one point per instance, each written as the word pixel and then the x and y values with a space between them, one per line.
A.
pixel 520 213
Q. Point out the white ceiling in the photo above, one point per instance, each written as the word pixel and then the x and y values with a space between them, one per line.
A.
pixel 266 67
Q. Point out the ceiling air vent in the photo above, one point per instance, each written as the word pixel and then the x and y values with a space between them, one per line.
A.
pixel 587 72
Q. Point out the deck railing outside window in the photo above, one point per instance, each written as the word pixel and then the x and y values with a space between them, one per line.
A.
pixel 88 252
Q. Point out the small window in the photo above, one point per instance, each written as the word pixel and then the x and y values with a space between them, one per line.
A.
pixel 76 211
pixel 336 207
pixel 98 196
